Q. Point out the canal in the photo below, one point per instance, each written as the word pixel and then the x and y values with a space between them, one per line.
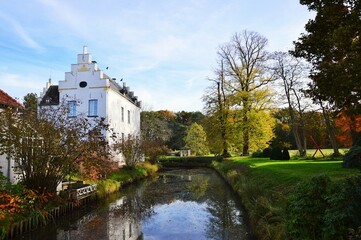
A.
pixel 178 204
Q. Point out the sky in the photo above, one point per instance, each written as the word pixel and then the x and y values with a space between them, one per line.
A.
pixel 165 50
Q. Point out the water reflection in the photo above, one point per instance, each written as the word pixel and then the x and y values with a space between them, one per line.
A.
pixel 193 204
pixel 179 204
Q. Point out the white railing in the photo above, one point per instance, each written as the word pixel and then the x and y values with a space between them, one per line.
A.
pixel 81 193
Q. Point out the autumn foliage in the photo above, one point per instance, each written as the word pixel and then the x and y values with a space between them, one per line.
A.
pixel 346 125
pixel 24 202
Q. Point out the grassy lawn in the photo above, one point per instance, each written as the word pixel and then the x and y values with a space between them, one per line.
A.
pixel 310 152
pixel 297 169
pixel 264 186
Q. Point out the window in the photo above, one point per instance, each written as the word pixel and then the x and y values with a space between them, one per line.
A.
pixel 93 108
pixel 122 114
pixel 83 84
pixel 72 109
pixel 128 116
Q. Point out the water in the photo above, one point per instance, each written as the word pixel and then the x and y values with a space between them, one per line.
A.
pixel 179 204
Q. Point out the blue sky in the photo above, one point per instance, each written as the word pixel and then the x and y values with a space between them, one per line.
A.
pixel 163 49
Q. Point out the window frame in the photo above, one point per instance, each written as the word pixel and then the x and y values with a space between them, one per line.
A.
pixel 72 108
pixel 122 114
pixel 91 113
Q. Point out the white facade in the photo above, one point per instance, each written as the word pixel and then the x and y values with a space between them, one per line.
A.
pixel 88 91
pixel 7 167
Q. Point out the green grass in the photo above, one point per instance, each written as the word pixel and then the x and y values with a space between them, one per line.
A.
pixel 297 169
pixel 264 186
pixel 327 152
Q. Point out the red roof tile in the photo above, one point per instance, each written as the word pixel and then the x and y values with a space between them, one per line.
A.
pixel 6 100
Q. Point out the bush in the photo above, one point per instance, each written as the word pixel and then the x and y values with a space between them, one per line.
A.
pixel 307 207
pixel 276 154
pixel 257 154
pixel 267 152
pixel 321 209
pixel 285 154
pixel 352 158
pixel 150 168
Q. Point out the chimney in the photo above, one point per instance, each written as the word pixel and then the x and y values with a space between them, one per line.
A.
pixel 85 49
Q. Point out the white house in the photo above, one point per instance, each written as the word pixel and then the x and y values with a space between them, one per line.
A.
pixel 7 165
pixel 90 92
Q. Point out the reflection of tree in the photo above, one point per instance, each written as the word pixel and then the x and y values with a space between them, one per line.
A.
pixel 133 206
pixel 226 221
pixel 137 202
pixel 198 187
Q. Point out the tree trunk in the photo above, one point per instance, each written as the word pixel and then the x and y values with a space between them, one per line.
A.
pixel 245 151
pixel 223 116
pixel 353 128
pixel 298 139
pixel 298 133
pixel 330 130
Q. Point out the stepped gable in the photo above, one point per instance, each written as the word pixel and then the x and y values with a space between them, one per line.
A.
pixel 51 97
pixel 6 101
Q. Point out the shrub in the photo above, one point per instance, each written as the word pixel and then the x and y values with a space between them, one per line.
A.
pixel 321 209
pixel 352 158
pixel 106 187
pixel 276 154
pixel 257 154
pixel 267 152
pixel 306 209
pixel 151 169
pixel 285 154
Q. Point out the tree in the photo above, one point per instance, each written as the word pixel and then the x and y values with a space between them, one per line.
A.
pixel 245 59
pixel 155 132
pixel 196 140
pixel 329 116
pixel 332 45
pixel 154 126
pixel 283 136
pixel 217 101
pixel 291 73
pixel 31 102
pixel 179 125
pixel 48 146
pixel 343 122
pixel 131 149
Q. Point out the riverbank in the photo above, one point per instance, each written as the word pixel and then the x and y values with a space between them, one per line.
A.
pixel 22 210
pixel 265 187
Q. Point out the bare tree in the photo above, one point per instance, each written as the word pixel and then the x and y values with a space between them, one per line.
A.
pixel 131 148
pixel 292 72
pixel 245 64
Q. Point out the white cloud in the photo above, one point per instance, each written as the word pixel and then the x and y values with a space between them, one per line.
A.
pixel 164 50
pixel 20 31
pixel 16 86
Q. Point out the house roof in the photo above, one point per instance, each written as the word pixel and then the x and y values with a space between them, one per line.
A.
pixel 124 91
pixel 6 100
pixel 51 97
